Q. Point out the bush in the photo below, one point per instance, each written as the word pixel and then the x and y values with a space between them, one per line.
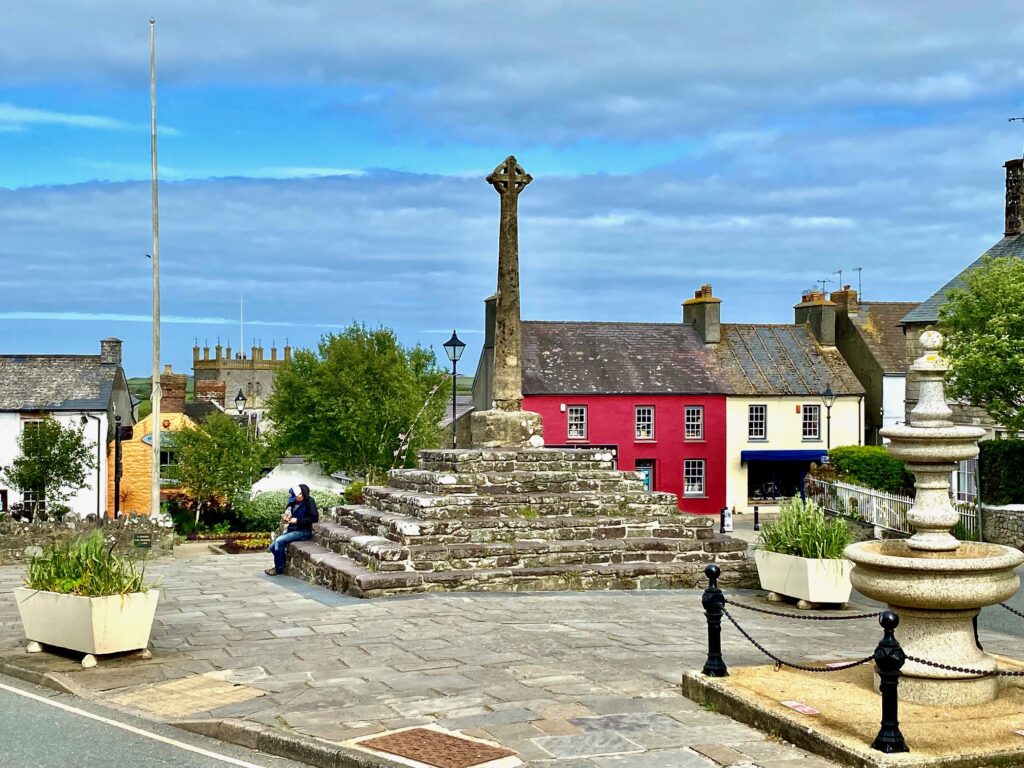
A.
pixel 264 512
pixel 354 493
pixel 1000 476
pixel 85 566
pixel 802 529
pixel 872 467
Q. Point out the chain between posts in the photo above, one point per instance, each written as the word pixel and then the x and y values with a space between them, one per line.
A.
pixel 803 617
pixel 966 670
pixel 779 663
pixel 1012 610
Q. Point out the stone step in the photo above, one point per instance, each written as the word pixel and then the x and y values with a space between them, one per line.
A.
pixel 314 563
pixel 428 506
pixel 520 481
pixel 466 460
pixel 405 529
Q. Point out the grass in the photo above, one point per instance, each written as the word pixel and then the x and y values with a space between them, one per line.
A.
pixel 803 530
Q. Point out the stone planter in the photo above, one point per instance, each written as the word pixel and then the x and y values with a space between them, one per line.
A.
pixel 90 625
pixel 815 581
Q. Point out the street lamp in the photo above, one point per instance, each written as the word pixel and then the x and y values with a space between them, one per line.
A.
pixel 240 402
pixel 453 348
pixel 828 397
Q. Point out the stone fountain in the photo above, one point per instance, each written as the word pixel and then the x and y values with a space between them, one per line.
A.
pixel 935 583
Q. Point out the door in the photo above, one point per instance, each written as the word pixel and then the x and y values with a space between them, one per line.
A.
pixel 646 468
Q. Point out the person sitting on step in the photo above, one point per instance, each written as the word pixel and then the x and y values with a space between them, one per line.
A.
pixel 299 515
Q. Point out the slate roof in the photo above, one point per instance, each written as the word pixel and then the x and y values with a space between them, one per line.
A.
pixel 199 410
pixel 928 311
pixel 879 324
pixel 463 405
pixel 782 360
pixel 574 358
pixel 55 383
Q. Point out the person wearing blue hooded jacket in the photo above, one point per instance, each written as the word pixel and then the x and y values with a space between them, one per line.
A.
pixel 299 515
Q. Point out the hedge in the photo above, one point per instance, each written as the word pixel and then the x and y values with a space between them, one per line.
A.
pixel 872 467
pixel 1001 471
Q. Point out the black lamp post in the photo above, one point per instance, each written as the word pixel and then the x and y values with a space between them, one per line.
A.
pixel 240 402
pixel 453 348
pixel 828 397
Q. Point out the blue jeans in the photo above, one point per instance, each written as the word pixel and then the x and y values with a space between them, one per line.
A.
pixel 280 544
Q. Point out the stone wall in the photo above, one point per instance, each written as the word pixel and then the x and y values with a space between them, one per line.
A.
pixel 1003 525
pixel 20 541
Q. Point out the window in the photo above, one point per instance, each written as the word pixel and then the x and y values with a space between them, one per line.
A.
pixel 694 422
pixel 577 422
pixel 757 422
pixel 811 422
pixel 645 467
pixel 168 461
pixel 693 477
pixel 967 481
pixel 645 422
pixel 34 501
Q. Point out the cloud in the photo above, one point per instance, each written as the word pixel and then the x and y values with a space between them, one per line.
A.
pixel 300 172
pixel 15 118
pixel 118 317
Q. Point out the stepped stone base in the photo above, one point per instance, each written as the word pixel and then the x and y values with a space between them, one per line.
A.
pixel 514 520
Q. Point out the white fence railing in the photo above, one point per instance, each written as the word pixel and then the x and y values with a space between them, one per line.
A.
pixel 881 509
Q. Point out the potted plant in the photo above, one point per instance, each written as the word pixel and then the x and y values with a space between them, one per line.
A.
pixel 79 595
pixel 800 555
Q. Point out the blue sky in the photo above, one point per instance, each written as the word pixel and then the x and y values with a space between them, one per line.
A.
pixel 326 161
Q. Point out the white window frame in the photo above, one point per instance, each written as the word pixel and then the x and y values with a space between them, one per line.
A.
pixel 582 424
pixel 752 422
pixel 805 422
pixel 646 425
pixel 694 477
pixel 697 433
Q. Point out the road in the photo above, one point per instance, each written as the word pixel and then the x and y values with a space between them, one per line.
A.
pixel 43 729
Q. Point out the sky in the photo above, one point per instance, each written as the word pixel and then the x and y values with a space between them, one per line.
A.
pixel 323 161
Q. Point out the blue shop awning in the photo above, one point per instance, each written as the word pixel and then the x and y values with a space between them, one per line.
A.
pixel 791 455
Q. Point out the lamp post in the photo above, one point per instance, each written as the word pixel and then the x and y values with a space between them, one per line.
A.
pixel 240 402
pixel 453 348
pixel 828 397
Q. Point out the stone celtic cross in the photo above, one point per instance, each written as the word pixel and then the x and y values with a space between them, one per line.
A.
pixel 508 180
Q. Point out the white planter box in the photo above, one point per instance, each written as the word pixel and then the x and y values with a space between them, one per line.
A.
pixel 817 581
pixel 95 625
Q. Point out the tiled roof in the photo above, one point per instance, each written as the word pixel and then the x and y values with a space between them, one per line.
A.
pixel 55 383
pixel 782 360
pixel 928 311
pixel 878 323
pixel 617 358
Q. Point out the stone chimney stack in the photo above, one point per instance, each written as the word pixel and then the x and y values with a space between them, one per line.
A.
pixel 212 391
pixel 172 386
pixel 704 312
pixel 1014 194
pixel 845 300
pixel 820 314
pixel 110 351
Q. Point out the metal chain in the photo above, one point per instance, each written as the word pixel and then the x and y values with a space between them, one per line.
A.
pixel 781 663
pixel 803 617
pixel 965 670
pixel 1012 610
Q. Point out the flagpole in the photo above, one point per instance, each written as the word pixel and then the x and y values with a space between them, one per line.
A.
pixel 155 384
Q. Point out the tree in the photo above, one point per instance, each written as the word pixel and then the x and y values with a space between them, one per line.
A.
pixel 217 460
pixel 355 402
pixel 983 325
pixel 53 462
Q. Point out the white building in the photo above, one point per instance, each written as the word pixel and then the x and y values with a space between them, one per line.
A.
pixel 84 391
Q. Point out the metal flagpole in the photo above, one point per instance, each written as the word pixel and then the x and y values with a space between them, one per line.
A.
pixel 155 384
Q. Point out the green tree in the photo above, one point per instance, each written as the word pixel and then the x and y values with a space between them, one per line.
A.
pixel 218 460
pixel 53 461
pixel 362 402
pixel 983 325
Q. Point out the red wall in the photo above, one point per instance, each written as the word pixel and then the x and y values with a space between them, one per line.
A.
pixel 610 421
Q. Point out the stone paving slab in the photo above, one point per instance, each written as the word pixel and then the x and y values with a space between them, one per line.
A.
pixel 568 680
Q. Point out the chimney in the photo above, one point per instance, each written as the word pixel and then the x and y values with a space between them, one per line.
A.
pixel 195 352
pixel 273 353
pixel 845 300
pixel 1014 192
pixel 110 351
pixel 255 352
pixel 211 391
pixel 172 386
pixel 206 352
pixel 218 350
pixel 819 313
pixel 704 312
pixel 287 351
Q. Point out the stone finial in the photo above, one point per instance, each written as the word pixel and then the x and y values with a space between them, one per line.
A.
pixel 931 367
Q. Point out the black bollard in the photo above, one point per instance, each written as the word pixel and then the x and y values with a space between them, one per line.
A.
pixel 889 659
pixel 757 519
pixel 714 605
pixel 721 519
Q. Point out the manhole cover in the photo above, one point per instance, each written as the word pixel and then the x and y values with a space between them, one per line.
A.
pixel 435 748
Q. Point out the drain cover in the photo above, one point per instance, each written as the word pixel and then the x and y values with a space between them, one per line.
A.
pixel 435 748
